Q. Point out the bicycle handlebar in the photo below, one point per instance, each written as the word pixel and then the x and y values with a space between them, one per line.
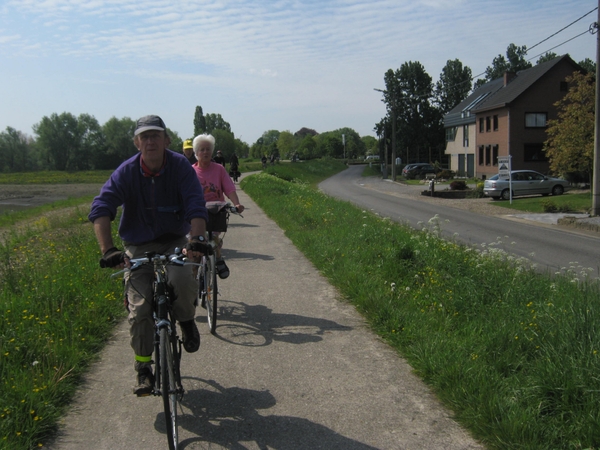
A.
pixel 233 210
pixel 177 258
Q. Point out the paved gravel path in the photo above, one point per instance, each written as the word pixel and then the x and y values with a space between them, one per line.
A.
pixel 292 367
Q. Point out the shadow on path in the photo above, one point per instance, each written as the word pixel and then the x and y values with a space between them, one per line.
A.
pixel 230 417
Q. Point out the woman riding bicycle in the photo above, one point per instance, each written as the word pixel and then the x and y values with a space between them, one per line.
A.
pixel 216 184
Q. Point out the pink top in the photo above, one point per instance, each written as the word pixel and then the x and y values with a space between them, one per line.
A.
pixel 215 182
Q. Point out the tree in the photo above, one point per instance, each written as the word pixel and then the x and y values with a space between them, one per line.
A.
pixel 176 142
pixel 514 61
pixel 216 122
pixel 287 143
pixel 570 144
pixel 241 148
pixel 548 56
pixel 199 121
pixel 15 152
pixel 119 143
pixel 370 144
pixel 59 139
pixel 91 142
pixel 408 95
pixel 307 147
pixel 588 65
pixel 269 138
pixel 225 142
pixel 302 132
pixel 453 86
pixel 329 144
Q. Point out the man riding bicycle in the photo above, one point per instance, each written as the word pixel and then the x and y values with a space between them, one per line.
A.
pixel 162 202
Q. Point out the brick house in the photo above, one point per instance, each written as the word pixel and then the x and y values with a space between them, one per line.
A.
pixel 507 116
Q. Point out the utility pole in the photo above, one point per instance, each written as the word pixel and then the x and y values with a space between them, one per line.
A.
pixel 394 138
pixel 596 166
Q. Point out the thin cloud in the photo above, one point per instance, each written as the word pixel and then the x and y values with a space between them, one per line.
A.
pixel 304 57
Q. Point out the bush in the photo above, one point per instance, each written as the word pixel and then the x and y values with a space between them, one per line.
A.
pixel 446 174
pixel 477 192
pixel 458 185
pixel 550 207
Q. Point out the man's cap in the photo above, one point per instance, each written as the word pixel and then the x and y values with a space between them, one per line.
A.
pixel 147 123
pixel 188 144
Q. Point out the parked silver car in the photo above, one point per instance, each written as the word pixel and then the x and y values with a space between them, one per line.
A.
pixel 524 182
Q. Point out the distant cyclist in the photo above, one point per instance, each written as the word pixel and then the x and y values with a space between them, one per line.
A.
pixel 234 167
pixel 188 151
pixel 220 159
pixel 216 184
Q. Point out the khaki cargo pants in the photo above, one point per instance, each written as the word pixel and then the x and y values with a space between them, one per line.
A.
pixel 138 289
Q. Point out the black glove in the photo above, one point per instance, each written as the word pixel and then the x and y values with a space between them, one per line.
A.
pixel 195 245
pixel 112 257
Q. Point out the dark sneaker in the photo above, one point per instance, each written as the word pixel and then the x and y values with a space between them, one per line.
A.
pixel 190 336
pixel 145 382
pixel 222 269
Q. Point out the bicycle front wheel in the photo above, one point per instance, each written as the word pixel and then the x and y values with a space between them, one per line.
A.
pixel 211 289
pixel 168 387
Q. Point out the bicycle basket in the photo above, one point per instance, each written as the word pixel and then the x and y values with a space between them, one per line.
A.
pixel 217 217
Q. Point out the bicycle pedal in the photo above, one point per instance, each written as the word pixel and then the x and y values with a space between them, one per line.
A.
pixel 147 394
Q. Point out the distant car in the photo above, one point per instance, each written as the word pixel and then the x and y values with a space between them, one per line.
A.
pixel 372 157
pixel 417 170
pixel 524 182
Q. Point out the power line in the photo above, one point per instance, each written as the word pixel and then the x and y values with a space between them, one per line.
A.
pixel 590 30
pixel 556 46
pixel 562 29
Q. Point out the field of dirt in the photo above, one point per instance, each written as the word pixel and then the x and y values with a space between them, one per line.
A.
pixel 14 197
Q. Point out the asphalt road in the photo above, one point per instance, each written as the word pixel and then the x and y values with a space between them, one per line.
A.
pixel 292 367
pixel 550 247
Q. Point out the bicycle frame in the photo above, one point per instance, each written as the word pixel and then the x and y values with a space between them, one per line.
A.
pixel 163 319
pixel 167 344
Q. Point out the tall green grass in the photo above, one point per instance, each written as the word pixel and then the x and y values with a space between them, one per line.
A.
pixel 57 309
pixel 513 353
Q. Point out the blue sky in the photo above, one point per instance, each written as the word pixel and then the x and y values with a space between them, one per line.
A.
pixel 263 65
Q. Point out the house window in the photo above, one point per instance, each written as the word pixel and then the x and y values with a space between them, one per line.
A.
pixel 450 134
pixel 495 155
pixel 481 155
pixel 481 124
pixel 465 135
pixel 536 120
pixel 488 124
pixel 488 155
pixel 564 86
pixel 496 122
pixel 534 152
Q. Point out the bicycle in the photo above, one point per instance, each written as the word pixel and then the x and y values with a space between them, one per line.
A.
pixel 218 218
pixel 234 173
pixel 167 344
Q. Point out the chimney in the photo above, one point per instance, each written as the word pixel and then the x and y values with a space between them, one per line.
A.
pixel 509 76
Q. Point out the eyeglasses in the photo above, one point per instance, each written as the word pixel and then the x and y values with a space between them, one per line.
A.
pixel 205 149
pixel 150 137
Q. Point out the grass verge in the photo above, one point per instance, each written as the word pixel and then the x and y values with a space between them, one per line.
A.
pixel 569 202
pixel 57 310
pixel 513 353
